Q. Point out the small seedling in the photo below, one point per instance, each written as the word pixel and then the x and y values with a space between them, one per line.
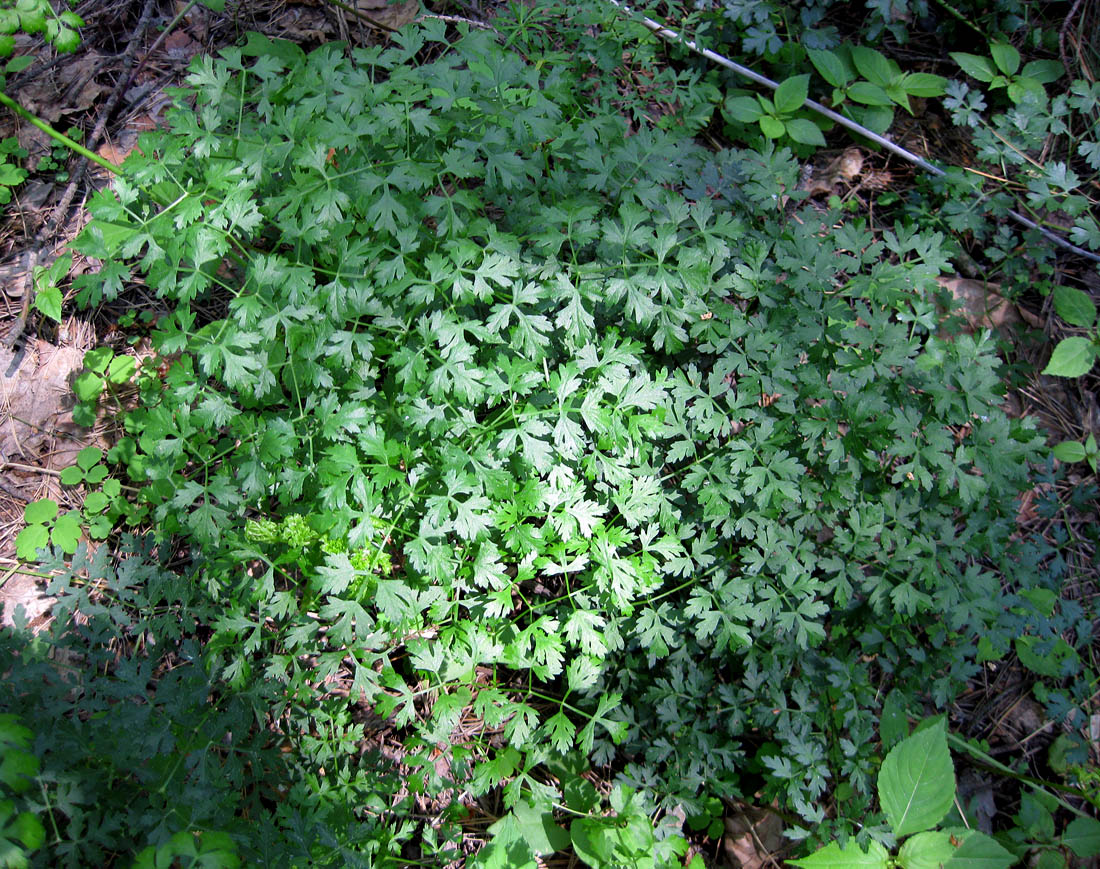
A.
pixel 1002 70
pixel 776 117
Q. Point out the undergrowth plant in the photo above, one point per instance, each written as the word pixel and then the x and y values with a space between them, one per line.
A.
pixel 497 410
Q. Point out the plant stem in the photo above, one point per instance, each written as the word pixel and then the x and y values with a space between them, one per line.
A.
pixel 5 100
pixel 1038 784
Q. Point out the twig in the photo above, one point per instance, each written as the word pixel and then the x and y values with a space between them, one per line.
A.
pixel 672 36
pixel 1067 22
pixel 157 43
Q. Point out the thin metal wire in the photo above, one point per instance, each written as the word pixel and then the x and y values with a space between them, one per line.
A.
pixel 672 36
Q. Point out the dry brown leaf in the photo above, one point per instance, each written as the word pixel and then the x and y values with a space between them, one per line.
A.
pixel 392 15
pixel 180 46
pixel 981 304
pixel 36 421
pixel 850 164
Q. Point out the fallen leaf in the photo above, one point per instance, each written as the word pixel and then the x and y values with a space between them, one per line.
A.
pixel 981 304
pixel 392 15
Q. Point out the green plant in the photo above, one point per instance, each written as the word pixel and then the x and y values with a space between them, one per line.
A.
pixel 192 851
pixel 59 29
pixel 99 512
pixel 104 370
pixel 47 293
pixel 776 116
pixel 916 790
pixel 882 86
pixel 598 445
pixel 1002 70
pixel 535 428
pixel 1074 357
pixel 11 173
pixel 44 526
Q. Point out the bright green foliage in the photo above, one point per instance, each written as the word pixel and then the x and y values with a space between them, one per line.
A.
pixel 59 29
pixel 11 173
pixel 917 782
pixel 859 74
pixel 775 116
pixel 620 437
pixel 916 788
pixel 542 416
pixel 1002 70
pixel 1075 356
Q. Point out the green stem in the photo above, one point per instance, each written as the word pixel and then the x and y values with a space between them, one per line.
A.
pixel 1038 784
pixel 5 100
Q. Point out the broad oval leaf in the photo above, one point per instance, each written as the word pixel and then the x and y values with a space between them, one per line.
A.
pixel 974 66
pixel 1070 451
pixel 832 856
pixel 1074 306
pixel 804 131
pixel 917 781
pixel 792 93
pixel 771 127
pixel 873 65
pixel 1006 57
pixel 924 84
pixel 1072 357
pixel 831 67
pixel 743 109
pixel 979 851
pixel 869 94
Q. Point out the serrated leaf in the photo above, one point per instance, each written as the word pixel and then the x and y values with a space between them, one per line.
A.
pixel 917 781
pixel 832 856
pixel 1073 357
pixel 66 532
pixel 48 303
pixel 929 850
pixel 979 851
pixel 1074 306
pixel 1082 837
